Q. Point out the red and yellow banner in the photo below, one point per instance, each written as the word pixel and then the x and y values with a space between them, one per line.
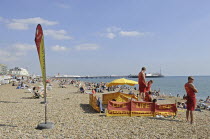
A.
pixel 39 40
pixel 93 102
pixel 136 108
pixel 165 109
pixel 142 108
pixel 118 108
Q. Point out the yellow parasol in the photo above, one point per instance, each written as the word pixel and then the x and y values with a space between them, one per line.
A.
pixel 122 81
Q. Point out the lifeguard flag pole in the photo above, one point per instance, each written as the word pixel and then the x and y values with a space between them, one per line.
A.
pixel 39 40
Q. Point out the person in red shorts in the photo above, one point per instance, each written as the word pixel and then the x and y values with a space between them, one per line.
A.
pixel 148 97
pixel 191 98
pixel 149 85
pixel 142 82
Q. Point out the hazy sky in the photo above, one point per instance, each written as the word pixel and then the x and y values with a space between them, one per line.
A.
pixel 108 37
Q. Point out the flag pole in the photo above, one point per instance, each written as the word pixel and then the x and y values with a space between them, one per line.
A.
pixel 45 102
pixel 39 40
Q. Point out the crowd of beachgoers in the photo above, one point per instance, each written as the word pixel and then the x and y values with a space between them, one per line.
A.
pixel 93 87
pixel 35 86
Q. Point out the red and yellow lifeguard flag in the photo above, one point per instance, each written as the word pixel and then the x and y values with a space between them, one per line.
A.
pixel 39 40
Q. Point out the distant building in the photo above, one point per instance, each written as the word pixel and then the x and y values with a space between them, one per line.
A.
pixel 19 72
pixel 3 69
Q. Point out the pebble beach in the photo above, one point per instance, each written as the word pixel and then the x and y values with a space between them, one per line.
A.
pixel 74 118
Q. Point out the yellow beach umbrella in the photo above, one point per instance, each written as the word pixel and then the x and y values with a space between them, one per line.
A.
pixel 122 81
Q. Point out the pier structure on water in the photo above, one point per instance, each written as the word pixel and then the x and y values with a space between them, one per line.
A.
pixel 90 77
pixel 106 76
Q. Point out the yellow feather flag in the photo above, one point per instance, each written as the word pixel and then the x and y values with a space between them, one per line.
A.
pixel 39 40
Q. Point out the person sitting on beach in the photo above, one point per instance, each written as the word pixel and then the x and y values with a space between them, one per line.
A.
pixel 21 84
pixel 184 97
pixel 101 91
pixel 179 105
pixel 13 83
pixel 131 92
pixel 81 89
pixel 93 91
pixel 149 85
pixel 184 106
pixel 148 97
pixel 121 90
pixel 157 93
pixel 201 105
pixel 61 85
pixel 148 93
pixel 103 86
pixel 208 99
pixel 36 94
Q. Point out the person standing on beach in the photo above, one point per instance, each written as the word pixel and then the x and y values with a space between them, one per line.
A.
pixel 142 82
pixel 191 98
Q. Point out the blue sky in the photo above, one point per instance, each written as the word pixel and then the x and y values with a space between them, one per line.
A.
pixel 112 37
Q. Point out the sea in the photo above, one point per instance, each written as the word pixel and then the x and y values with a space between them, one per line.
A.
pixel 170 85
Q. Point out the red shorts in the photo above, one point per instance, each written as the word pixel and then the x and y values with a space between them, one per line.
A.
pixel 142 89
pixel 191 104
pixel 147 97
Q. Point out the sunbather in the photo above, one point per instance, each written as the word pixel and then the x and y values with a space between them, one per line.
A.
pixel 36 94
pixel 208 99
pixel 81 89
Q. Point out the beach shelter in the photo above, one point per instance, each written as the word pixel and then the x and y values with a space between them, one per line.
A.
pixel 118 96
pixel 122 81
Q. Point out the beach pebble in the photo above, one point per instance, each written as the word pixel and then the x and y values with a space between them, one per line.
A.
pixel 74 118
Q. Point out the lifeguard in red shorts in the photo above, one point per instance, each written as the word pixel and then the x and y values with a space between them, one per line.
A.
pixel 142 82
pixel 191 98
pixel 148 93
pixel 149 85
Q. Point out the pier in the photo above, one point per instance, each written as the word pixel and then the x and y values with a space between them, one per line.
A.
pixel 105 76
pixel 91 77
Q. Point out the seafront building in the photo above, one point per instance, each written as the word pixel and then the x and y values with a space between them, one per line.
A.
pixel 3 69
pixel 18 72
